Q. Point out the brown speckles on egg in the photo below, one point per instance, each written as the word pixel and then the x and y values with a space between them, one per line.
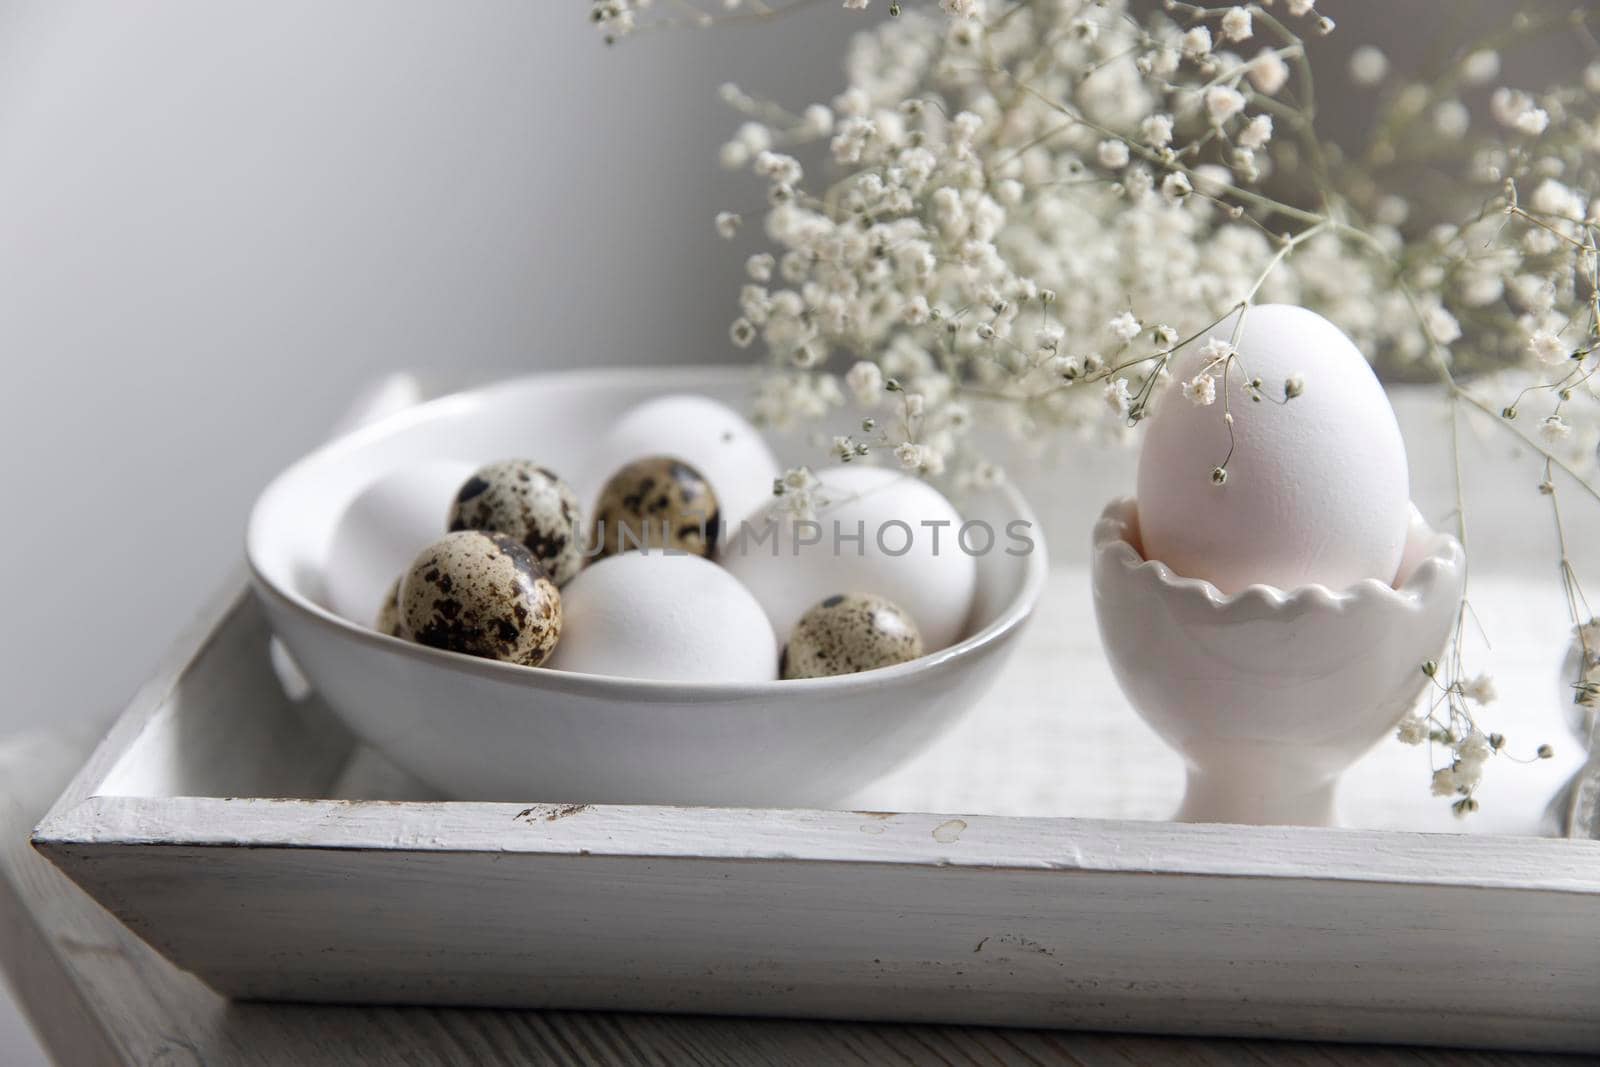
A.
pixel 527 503
pixel 848 633
pixel 388 621
pixel 656 502
pixel 483 594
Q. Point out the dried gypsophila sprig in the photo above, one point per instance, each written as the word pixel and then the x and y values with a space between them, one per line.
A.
pixel 1016 152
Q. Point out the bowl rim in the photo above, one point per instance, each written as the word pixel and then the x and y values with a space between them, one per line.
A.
pixel 672 379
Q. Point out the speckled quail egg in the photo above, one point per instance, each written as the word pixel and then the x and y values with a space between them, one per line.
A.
pixel 528 503
pixel 388 621
pixel 483 594
pixel 656 502
pixel 848 633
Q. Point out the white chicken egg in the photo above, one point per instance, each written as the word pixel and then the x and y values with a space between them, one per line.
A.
pixel 665 617
pixel 909 552
pixel 711 437
pixel 1317 489
pixel 382 530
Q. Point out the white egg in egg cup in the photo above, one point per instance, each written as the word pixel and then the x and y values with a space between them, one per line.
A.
pixel 1269 694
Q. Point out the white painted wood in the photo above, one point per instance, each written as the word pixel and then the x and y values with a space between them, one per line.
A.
pixel 98 995
pixel 1089 923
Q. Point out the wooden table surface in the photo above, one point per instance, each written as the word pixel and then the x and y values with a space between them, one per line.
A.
pixel 99 995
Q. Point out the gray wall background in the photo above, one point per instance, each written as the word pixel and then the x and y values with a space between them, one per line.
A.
pixel 218 218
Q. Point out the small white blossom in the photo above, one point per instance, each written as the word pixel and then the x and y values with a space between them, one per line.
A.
pixel 1546 347
pixel 865 381
pixel 1298 8
pixel 1480 690
pixel 963 9
pixel 1201 390
pixel 1222 103
pixel 1156 130
pixel 1533 121
pixel 1553 198
pixel 728 224
pixel 1118 399
pixel 1216 351
pixel 911 456
pixel 1112 154
pixel 1125 326
pixel 1452 119
pixel 1444 782
pixel 1481 66
pixel 1197 42
pixel 1236 24
pixel 1257 132
pixel 1268 72
pixel 759 266
pixel 1176 186
pixel 1368 65
pixel 1440 324
pixel 741 333
pixel 855 5
pixel 1413 730
pixel 1555 429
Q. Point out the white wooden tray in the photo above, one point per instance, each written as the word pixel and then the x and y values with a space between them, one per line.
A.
pixel 1018 873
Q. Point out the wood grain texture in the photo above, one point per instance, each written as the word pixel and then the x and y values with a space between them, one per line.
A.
pixel 100 996
pixel 912 916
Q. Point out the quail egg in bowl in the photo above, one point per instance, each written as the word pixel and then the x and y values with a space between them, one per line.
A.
pixel 487 727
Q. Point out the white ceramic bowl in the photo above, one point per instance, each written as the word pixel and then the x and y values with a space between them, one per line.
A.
pixel 478 729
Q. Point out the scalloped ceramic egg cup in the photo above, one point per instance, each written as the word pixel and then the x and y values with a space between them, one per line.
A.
pixel 1269 695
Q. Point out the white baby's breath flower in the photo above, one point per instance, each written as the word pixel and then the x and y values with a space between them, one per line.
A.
pixel 1441 325
pixel 1125 326
pixel 1176 186
pixel 1555 429
pixel 1546 347
pixel 1257 132
pixel 1533 121
pixel 865 381
pixel 1268 71
pixel 759 266
pixel 1156 130
pixel 1480 690
pixel 1554 198
pixel 1445 782
pixel 910 456
pixel 1118 398
pixel 1222 103
pixel 1298 8
pixel 1201 390
pixel 1480 67
pixel 1113 154
pixel 1413 730
pixel 728 224
pixel 741 333
pixel 1236 24
pixel 1451 118
pixel 963 9
pixel 1368 65
pixel 1197 42
pixel 1216 351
